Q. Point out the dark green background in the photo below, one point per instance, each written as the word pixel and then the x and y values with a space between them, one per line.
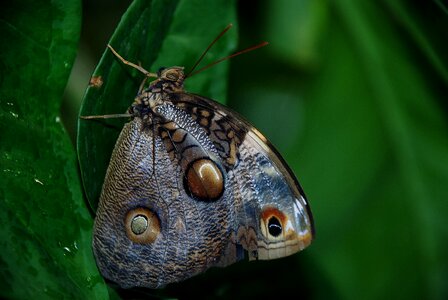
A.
pixel 352 93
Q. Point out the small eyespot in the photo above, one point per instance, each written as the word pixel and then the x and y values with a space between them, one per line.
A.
pixel 272 222
pixel 274 227
pixel 142 225
pixel 204 180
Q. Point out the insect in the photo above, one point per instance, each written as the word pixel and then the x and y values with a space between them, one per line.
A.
pixel 192 185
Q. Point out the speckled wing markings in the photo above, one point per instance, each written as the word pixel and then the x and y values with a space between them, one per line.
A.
pixel 226 136
pixel 130 176
pixel 263 177
pixel 190 186
pixel 146 173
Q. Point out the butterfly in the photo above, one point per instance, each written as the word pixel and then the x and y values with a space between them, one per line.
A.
pixel 192 185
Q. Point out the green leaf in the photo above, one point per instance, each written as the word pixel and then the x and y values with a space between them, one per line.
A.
pixel 156 34
pixel 46 228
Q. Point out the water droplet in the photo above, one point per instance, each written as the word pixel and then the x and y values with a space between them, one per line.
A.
pixel 58 119
pixel 14 115
pixel 67 251
pixel 38 181
pixel 89 282
pixel 92 281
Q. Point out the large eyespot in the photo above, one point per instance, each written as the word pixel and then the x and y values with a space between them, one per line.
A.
pixel 204 180
pixel 272 223
pixel 142 225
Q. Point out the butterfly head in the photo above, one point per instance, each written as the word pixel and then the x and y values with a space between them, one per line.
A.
pixel 173 76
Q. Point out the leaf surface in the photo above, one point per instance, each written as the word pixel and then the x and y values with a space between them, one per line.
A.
pixel 45 249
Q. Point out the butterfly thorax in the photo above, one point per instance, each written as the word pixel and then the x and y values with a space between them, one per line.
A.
pixel 169 81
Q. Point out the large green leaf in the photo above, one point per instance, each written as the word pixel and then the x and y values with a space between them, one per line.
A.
pixel 154 33
pixel 45 235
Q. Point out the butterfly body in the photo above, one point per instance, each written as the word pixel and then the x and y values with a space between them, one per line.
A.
pixel 191 185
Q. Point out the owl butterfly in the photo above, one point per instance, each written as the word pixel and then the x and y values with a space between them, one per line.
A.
pixel 192 185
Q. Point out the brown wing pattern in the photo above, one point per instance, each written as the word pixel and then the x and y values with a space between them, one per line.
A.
pixel 226 135
pixel 273 188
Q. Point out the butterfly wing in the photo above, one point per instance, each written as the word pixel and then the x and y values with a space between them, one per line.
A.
pixel 272 216
pixel 194 187
pixel 148 230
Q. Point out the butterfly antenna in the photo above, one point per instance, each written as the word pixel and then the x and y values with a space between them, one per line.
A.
pixel 208 48
pixel 262 44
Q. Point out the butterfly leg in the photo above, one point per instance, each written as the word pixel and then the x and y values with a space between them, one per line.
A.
pixel 142 85
pixel 126 62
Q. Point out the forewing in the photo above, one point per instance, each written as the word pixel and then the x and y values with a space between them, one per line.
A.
pixel 267 196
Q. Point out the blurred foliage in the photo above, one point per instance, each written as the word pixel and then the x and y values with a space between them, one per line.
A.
pixel 45 244
pixel 352 93
pixel 363 122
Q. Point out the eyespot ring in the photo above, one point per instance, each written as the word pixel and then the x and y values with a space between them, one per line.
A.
pixel 142 225
pixel 272 223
